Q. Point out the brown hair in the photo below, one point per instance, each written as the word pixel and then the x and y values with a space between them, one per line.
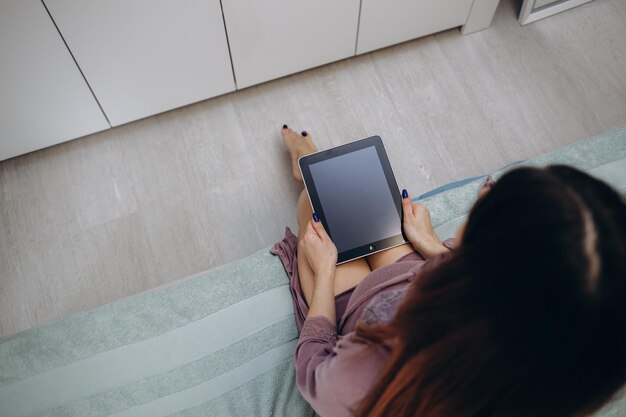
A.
pixel 526 318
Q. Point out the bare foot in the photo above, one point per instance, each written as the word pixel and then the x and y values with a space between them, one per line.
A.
pixel 298 146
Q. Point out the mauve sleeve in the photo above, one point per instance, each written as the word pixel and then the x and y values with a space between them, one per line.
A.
pixel 317 340
pixel 449 243
pixel 334 374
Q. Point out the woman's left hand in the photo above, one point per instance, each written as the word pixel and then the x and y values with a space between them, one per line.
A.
pixel 419 230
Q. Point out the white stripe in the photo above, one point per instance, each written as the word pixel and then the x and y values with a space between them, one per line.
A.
pixel 212 388
pixel 162 353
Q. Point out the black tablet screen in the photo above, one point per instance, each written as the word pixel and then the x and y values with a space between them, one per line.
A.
pixel 358 204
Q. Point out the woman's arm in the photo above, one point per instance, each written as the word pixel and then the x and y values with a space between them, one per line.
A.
pixel 319 332
pixel 323 299
pixel 419 230
pixel 321 254
pixel 334 375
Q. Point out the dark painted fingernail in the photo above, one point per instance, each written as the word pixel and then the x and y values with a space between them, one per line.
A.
pixel 285 126
pixel 304 133
pixel 405 194
pixel 316 219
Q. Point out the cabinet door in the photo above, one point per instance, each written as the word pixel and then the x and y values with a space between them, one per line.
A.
pixel 272 38
pixel 387 22
pixel 143 57
pixel 44 99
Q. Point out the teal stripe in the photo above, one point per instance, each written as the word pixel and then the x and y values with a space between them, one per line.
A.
pixel 154 356
pixel 213 388
pixel 614 173
pixel 194 373
pixel 137 318
pixel 271 394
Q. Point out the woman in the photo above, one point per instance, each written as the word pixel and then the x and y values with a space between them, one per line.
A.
pixel 524 317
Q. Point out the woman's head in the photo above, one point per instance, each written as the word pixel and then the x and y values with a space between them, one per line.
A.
pixel 527 318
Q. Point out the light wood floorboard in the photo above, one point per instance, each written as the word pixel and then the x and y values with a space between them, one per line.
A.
pixel 93 220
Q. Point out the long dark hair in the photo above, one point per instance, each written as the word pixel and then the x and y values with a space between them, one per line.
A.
pixel 526 318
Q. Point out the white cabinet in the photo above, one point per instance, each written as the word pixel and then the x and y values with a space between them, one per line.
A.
pixel 387 22
pixel 143 57
pixel 44 99
pixel 273 38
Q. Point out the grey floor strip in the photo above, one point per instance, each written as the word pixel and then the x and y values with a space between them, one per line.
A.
pixel 213 388
pixel 154 356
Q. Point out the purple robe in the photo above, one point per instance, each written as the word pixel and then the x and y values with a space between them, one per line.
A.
pixel 335 368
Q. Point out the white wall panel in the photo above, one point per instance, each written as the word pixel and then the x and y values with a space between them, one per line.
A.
pixel 273 38
pixel 143 57
pixel 44 99
pixel 387 22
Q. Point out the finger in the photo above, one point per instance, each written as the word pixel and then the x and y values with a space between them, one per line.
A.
pixel 319 229
pixel 407 204
pixel 310 229
pixel 419 209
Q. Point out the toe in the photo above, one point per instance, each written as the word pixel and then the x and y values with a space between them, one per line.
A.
pixel 306 135
pixel 289 133
pixel 285 131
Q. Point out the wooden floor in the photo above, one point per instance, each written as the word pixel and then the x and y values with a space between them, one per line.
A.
pixel 97 219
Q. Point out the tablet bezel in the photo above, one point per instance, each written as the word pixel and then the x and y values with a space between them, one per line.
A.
pixel 370 248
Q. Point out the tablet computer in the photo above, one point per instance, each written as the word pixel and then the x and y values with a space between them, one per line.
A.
pixel 354 192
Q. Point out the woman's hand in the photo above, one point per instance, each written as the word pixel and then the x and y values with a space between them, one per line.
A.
pixel 418 228
pixel 319 250
pixel 321 254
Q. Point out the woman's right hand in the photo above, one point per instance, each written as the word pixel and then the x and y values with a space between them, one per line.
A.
pixel 418 228
pixel 321 254
pixel 319 250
